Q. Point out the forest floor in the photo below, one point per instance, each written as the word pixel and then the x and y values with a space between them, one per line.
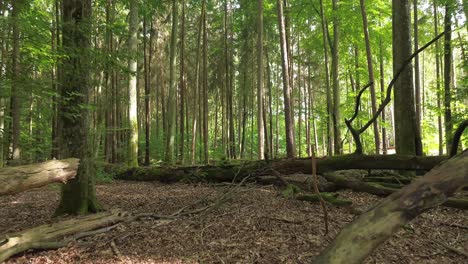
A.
pixel 257 225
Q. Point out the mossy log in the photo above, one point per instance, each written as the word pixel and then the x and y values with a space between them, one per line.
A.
pixel 52 236
pixel 21 178
pixel 228 172
pixel 343 181
pixel 358 239
pixel 331 198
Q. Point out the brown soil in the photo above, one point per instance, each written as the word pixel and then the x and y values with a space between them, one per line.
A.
pixel 256 226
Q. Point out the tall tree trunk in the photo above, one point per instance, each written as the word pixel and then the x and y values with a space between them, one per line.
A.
pixel 370 69
pixel 448 74
pixel 15 80
pixel 327 82
pixel 382 92
pixel 260 129
pixel 78 196
pixel 438 91
pixel 147 79
pixel 289 118
pixel 196 115
pixel 270 103
pixel 338 149
pixel 55 79
pixel 405 116
pixel 132 86
pixel 172 100
pixel 205 85
pixel 417 83
pixel 182 86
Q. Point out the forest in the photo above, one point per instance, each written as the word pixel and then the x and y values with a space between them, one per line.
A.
pixel 233 131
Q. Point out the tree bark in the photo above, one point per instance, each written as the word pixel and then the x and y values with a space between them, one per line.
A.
pixel 260 128
pixel 327 82
pixel 358 239
pixel 338 149
pixel 448 75
pixel 437 56
pixel 289 117
pixel 15 79
pixel 78 196
pixel 370 69
pixel 406 133
pixel 21 178
pixel 172 100
pixel 205 86
pixel 132 86
pixel 182 87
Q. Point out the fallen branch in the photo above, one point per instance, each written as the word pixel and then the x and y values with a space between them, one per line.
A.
pixel 21 178
pixel 358 239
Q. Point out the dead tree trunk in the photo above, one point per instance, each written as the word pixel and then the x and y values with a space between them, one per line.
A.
pixel 284 166
pixel 358 239
pixel 51 236
pixel 17 179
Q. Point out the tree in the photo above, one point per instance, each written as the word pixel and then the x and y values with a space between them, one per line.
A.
pixel 448 74
pixel 15 104
pixel 406 133
pixel 172 103
pixel 289 118
pixel 338 149
pixel 78 196
pixel 370 69
pixel 260 128
pixel 132 86
pixel 327 81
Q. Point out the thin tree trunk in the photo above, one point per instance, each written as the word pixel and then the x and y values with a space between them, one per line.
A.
pixel 417 84
pixel 260 130
pixel 327 82
pixel 15 79
pixel 132 67
pixel 382 92
pixel 205 85
pixel 438 91
pixel 338 149
pixel 289 118
pixel 147 66
pixel 182 86
pixel 172 100
pixel 370 69
pixel 448 75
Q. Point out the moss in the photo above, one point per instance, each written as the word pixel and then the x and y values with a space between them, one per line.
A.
pixel 331 198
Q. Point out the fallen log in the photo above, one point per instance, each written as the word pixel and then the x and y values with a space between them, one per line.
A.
pixel 229 172
pixel 51 236
pixel 342 180
pixel 21 178
pixel 358 239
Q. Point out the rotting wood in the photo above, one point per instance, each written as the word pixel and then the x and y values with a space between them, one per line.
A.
pixel 21 178
pixel 228 172
pixel 358 239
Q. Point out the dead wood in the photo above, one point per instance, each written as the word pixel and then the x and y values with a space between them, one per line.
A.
pixel 21 178
pixel 229 172
pixel 358 239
